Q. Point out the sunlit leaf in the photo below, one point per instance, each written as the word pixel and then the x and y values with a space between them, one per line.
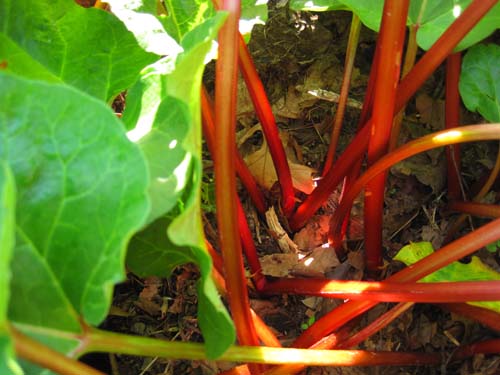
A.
pixel 87 48
pixel 475 270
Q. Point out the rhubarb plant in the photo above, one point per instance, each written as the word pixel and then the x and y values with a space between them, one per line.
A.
pixel 85 193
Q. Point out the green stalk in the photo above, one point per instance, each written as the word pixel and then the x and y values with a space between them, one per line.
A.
pixel 391 46
pixel 352 45
pixel 45 357
pixel 101 341
pixel 225 176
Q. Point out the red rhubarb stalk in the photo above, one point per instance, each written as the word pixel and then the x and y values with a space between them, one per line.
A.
pixel 470 133
pixel 269 127
pixel 456 250
pixel 476 209
pixel 408 86
pixel 391 47
pixel 242 170
pixel 225 176
pixel 442 292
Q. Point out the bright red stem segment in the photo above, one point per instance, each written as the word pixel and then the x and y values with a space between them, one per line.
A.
pixel 225 176
pixel 391 49
pixel 476 209
pixel 467 291
pixel 452 116
pixel 408 86
pixel 241 168
pixel 439 259
pixel 269 127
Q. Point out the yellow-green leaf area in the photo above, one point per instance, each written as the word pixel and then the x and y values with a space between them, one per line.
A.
pixel 475 270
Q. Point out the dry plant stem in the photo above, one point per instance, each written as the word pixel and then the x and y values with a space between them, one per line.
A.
pixel 409 62
pixel 375 326
pixel 242 170
pixel 486 317
pixel 225 176
pixel 47 358
pixel 476 209
pixel 391 47
pixel 446 255
pixel 452 120
pixel 467 291
pixel 471 133
pixel 269 127
pixel 352 45
pixel 408 86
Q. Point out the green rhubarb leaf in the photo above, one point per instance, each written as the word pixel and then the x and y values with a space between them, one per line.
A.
pixel 8 365
pixel 480 81
pixel 163 113
pixel 368 11
pixel 440 14
pixel 475 270
pixel 185 15
pixel 143 20
pixel 316 5
pixel 82 193
pixel 432 18
pixel 87 48
pixel 253 12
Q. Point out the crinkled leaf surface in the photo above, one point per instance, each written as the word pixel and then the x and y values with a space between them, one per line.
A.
pixel 82 193
pixel 8 365
pixel 163 109
pixel 456 271
pixel 433 18
pixel 87 48
pixel 480 81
